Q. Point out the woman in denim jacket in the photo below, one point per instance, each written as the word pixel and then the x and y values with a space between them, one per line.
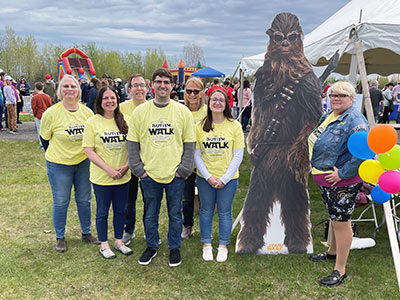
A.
pixel 335 170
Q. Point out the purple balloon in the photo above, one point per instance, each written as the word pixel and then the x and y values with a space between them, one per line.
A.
pixel 389 182
pixel 380 196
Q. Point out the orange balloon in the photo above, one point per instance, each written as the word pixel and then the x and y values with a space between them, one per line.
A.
pixel 382 138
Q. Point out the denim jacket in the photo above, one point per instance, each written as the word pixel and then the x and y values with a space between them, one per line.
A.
pixel 330 148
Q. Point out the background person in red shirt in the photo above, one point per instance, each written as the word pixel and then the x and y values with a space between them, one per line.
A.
pixel 40 102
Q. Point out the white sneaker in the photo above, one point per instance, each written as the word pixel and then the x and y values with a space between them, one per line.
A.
pixel 222 254
pixel 107 253
pixel 207 253
pixel 123 249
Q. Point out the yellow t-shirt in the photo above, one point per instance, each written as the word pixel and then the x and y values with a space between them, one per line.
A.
pixel 199 114
pixel 217 146
pixel 161 132
pixel 110 144
pixel 127 107
pixel 64 130
pixel 312 138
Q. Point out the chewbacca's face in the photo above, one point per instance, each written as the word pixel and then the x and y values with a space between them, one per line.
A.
pixel 285 36
pixel 284 40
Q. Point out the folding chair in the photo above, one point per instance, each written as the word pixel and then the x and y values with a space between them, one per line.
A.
pixel 365 202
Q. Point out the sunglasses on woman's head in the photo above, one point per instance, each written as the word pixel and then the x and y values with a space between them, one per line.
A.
pixel 196 92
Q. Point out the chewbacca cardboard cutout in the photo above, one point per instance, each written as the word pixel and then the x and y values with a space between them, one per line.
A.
pixel 287 105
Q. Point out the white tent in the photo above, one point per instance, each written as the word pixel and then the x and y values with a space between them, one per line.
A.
pixel 379 32
pixel 378 29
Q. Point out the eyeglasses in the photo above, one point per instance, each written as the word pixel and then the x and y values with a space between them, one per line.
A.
pixel 338 96
pixel 67 86
pixel 136 85
pixel 221 100
pixel 278 37
pixel 159 82
pixel 196 92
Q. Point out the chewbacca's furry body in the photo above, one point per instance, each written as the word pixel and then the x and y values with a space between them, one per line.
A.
pixel 281 160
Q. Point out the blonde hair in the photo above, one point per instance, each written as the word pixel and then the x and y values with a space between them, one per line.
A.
pixel 61 83
pixel 343 87
pixel 199 84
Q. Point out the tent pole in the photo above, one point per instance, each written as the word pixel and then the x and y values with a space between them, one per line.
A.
pixel 234 73
pixel 371 122
pixel 240 100
pixel 353 69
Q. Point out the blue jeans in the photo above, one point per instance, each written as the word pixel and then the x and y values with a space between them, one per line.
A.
pixel 152 196
pixel 188 201
pixel 210 196
pixel 61 178
pixel 105 195
pixel 246 117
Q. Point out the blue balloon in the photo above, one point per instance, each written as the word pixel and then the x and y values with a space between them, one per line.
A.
pixel 380 196
pixel 358 145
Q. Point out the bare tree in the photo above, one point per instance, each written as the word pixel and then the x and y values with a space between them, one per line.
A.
pixel 192 54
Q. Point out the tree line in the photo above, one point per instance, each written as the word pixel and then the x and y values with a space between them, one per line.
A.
pixel 21 56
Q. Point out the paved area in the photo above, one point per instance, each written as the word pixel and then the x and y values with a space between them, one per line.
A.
pixel 26 132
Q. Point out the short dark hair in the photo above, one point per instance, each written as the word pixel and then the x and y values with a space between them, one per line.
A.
pixel 39 86
pixel 133 76
pixel 216 81
pixel 162 73
pixel 227 82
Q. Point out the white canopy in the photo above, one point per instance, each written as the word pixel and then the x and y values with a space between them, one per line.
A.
pixel 379 32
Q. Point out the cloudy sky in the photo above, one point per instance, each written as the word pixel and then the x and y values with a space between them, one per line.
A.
pixel 226 30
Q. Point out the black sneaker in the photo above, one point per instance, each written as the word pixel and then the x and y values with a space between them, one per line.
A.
pixel 174 258
pixel 89 238
pixel 147 256
pixel 61 245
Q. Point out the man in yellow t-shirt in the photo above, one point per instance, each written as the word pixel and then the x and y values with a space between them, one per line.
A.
pixel 161 142
pixel 137 89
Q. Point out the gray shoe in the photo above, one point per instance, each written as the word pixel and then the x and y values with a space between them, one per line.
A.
pixel 61 245
pixel 127 238
pixel 89 238
pixel 186 232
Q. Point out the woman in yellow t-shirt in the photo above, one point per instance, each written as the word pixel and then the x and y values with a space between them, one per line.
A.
pixel 218 154
pixel 61 132
pixel 194 100
pixel 104 142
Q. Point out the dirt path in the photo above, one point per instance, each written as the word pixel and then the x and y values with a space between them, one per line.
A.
pixel 26 132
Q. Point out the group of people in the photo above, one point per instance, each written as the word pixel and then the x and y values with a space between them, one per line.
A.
pixel 12 95
pixel 152 144
pixel 162 145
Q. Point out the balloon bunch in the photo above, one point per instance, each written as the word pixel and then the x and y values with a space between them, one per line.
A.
pixel 380 140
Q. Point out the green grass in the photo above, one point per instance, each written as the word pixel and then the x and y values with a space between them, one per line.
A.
pixel 26 117
pixel 31 269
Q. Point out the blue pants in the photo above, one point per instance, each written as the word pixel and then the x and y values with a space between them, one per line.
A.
pixel 62 178
pixel 105 195
pixel 188 201
pixel 152 196
pixel 210 196
pixel 246 117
